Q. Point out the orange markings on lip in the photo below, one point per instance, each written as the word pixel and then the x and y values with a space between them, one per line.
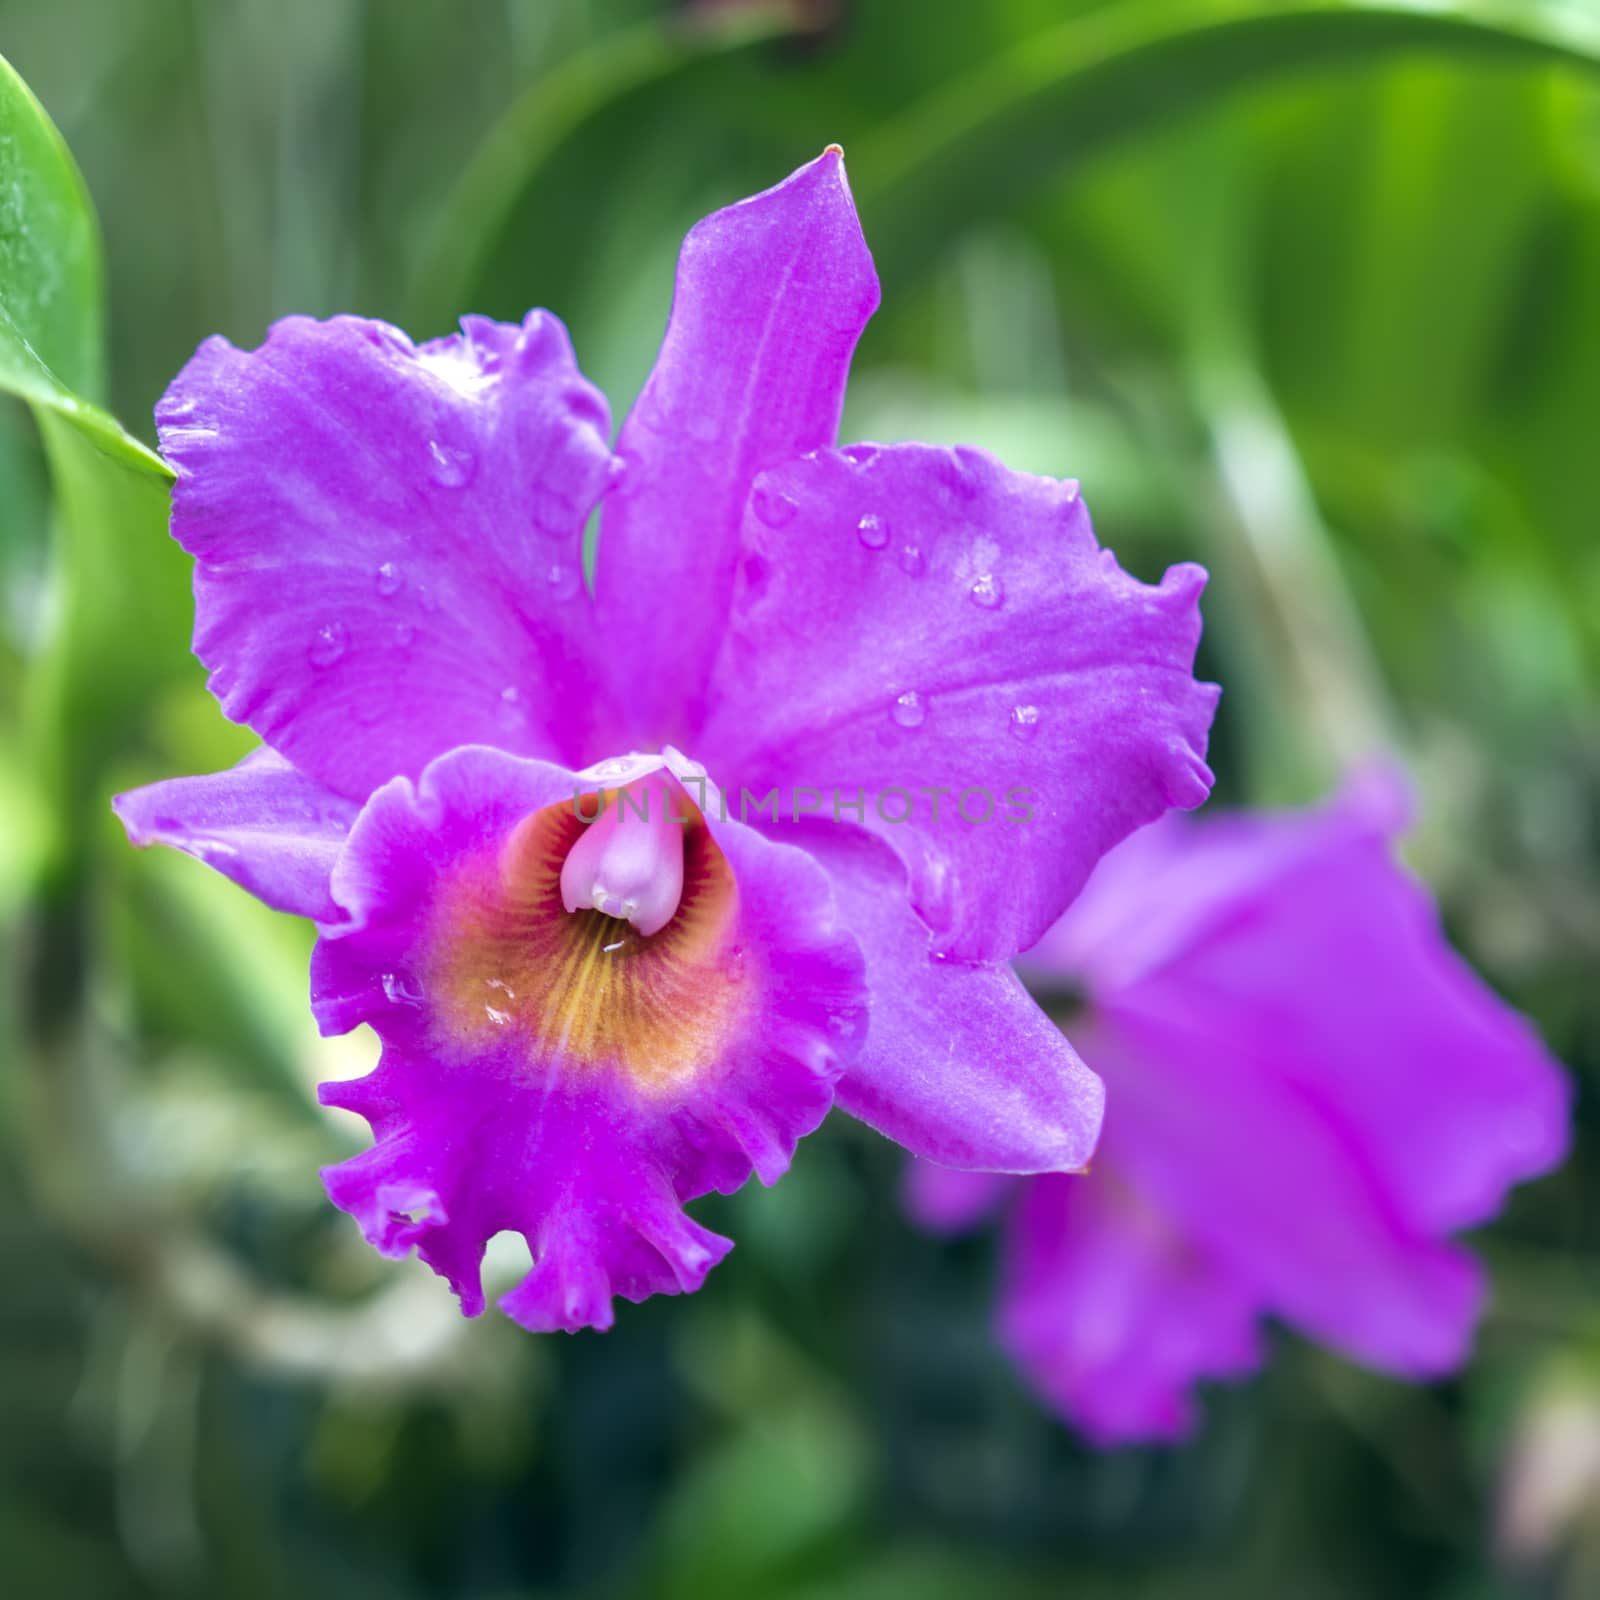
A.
pixel 584 988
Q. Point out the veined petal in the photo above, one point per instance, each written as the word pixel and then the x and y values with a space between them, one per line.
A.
pixel 560 1073
pixel 387 539
pixel 1112 1314
pixel 959 1064
pixel 771 296
pixel 943 638
pixel 264 824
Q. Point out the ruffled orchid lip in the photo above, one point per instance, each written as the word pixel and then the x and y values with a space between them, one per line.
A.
pixel 563 1073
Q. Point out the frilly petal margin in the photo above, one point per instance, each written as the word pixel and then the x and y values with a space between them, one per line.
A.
pixel 262 824
pixel 387 538
pixel 519 1124
pixel 959 1064
pixel 1007 701
pixel 771 296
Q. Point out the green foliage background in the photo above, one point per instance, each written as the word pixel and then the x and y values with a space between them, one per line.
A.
pixel 1306 289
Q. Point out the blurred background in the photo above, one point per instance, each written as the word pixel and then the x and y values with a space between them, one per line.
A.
pixel 1308 290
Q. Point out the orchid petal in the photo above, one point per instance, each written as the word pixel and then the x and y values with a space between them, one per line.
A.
pixel 387 538
pixel 940 644
pixel 265 825
pixel 1111 1313
pixel 959 1064
pixel 771 296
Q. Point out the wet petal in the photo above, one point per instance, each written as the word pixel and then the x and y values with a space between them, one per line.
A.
pixel 387 539
pixel 941 639
pixel 771 296
pixel 562 1074
pixel 263 824
pixel 959 1064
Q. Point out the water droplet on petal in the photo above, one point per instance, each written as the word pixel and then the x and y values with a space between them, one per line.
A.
pixel 401 991
pixel 328 644
pixel 775 509
pixel 873 531
pixel 448 466
pixel 912 561
pixel 733 965
pixel 908 711
pixel 389 580
pixel 404 635
pixel 562 581
pixel 987 591
pixel 1024 722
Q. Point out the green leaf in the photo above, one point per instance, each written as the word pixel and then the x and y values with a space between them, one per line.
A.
pixel 51 290
pixel 549 118
pixel 121 636
pixel 983 143
pixel 121 622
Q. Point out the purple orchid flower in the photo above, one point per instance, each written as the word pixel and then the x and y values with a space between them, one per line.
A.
pixel 602 985
pixel 1310 1092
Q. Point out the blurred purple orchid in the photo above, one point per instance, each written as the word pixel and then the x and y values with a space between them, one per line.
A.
pixel 587 1023
pixel 1310 1092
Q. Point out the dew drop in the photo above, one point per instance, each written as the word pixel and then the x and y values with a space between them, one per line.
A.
pixel 987 591
pixel 449 467
pixel 496 1016
pixel 908 711
pixel 389 580
pixel 774 509
pixel 1024 722
pixel 872 531
pixel 733 966
pixel 912 561
pixel 562 581
pixel 329 643
pixel 178 438
pixel 404 635
pixel 401 991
